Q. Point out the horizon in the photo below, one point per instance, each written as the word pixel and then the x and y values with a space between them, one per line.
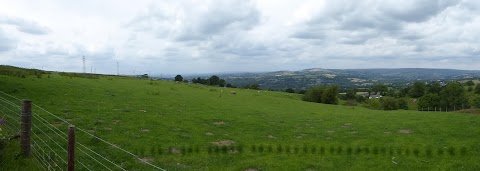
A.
pixel 202 37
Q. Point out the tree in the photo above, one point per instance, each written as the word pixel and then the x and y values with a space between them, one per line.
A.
pixel 214 80
pixel 418 90
pixel 470 83
pixel 228 85
pixel 350 95
pixel 389 103
pixel 429 102
pixel 314 94
pixel 402 104
pixel 475 101
pixel 380 88
pixel 434 88
pixel 290 90
pixel 178 78
pixel 329 96
pixel 477 89
pixel 453 96
pixel 470 88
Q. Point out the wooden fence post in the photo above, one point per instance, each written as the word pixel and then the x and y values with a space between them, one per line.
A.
pixel 25 127
pixel 71 148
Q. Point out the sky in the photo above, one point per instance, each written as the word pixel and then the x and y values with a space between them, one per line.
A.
pixel 207 36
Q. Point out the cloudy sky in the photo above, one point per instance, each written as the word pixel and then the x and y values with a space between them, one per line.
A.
pixel 202 36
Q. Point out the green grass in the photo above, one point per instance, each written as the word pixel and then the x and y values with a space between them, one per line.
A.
pixel 151 117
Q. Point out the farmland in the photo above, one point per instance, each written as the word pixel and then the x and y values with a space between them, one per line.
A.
pixel 181 126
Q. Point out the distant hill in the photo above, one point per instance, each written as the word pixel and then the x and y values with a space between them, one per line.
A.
pixel 347 77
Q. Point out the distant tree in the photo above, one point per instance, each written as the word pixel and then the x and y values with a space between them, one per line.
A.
pixel 418 90
pixel 391 92
pixel 222 83
pixel 350 95
pixel 314 94
pixel 228 85
pixel 389 103
pixel 185 81
pixel 255 86
pixel 360 98
pixel 469 83
pixel 214 80
pixel 380 88
pixel 453 96
pixel 404 92
pixel 290 90
pixel 434 88
pixel 329 95
pixel 475 101
pixel 477 89
pixel 402 104
pixel 302 91
pixel 144 76
pixel 429 101
pixel 178 78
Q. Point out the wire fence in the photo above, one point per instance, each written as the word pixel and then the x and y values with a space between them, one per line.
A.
pixel 49 141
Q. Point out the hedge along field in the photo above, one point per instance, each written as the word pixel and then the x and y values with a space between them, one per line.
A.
pixel 182 126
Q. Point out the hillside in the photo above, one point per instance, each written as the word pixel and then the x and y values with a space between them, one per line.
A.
pixel 193 127
pixel 280 80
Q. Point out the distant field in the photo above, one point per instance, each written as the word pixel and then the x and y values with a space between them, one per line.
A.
pixel 185 127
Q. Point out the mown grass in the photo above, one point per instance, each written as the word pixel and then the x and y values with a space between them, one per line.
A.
pixel 176 125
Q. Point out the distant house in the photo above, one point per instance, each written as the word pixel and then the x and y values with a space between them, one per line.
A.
pixel 375 96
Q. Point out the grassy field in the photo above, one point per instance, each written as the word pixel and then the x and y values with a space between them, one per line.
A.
pixel 193 127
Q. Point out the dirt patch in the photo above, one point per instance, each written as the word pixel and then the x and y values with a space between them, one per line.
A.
pixel 56 124
pixel 330 131
pixel 145 130
pixel 219 123
pixel 470 111
pixel 116 121
pixel 209 134
pixel 271 137
pixel 147 159
pixel 405 131
pixel 174 151
pixel 232 151
pixel 224 143
pixel 107 129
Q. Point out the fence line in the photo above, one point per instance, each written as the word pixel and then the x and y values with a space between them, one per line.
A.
pixel 41 154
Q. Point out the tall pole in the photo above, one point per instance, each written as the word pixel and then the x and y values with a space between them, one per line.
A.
pixel 71 148
pixel 118 70
pixel 26 127
pixel 84 68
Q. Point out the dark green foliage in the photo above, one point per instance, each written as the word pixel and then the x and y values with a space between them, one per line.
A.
pixel 477 89
pixel 389 103
pixel 469 83
pixel 252 86
pixel 470 89
pixel 380 88
pixel 373 104
pixel 475 102
pixel 322 94
pixel 329 96
pixel 453 96
pixel 79 75
pixel 20 72
pixel 434 88
pixel 402 104
pixel 290 90
pixel 350 95
pixel 178 78
pixel 418 90
pixel 360 98
pixel 429 102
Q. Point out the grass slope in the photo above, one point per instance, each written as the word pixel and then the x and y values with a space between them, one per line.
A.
pixel 176 124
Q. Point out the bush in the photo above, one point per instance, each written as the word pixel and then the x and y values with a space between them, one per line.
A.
pixel 475 101
pixel 389 103
pixel 402 104
pixel 373 104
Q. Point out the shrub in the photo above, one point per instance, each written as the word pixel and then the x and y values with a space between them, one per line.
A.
pixel 475 101
pixel 389 103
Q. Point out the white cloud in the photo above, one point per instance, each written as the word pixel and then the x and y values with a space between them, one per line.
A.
pixel 214 36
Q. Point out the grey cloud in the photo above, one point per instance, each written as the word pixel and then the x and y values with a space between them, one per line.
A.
pixel 6 43
pixel 25 26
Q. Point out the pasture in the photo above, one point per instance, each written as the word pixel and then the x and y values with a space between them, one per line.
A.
pixel 180 126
